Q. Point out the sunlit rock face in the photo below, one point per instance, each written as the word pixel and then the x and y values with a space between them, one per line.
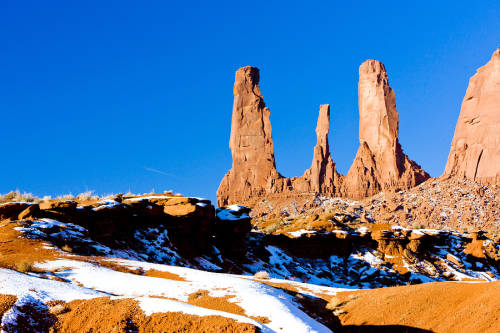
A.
pixel 379 165
pixel 475 149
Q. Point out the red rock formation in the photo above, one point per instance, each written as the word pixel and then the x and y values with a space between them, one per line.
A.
pixel 322 175
pixel 253 173
pixel 475 149
pixel 380 163
pixel 251 142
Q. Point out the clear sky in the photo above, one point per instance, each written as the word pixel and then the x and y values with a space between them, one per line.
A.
pixel 115 96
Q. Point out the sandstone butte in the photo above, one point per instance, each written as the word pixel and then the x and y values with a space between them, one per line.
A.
pixel 475 149
pixel 380 163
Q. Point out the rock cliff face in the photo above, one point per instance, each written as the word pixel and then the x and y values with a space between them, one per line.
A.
pixel 251 142
pixel 379 165
pixel 475 149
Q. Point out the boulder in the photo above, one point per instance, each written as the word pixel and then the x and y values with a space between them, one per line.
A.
pixel 59 205
pixel 30 212
pixel 11 210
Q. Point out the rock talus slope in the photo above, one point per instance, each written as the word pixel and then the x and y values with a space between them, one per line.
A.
pixel 475 149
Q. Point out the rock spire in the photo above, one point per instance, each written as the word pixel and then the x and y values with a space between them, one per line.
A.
pixel 321 176
pixel 379 165
pixel 251 142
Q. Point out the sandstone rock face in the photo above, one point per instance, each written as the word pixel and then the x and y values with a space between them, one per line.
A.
pixel 12 209
pixel 254 173
pixel 379 165
pixel 322 174
pixel 475 149
pixel 251 142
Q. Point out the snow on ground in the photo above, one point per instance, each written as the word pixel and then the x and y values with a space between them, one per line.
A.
pixel 301 232
pixel 19 284
pixel 36 291
pixel 255 298
pixel 150 197
pixel 151 305
pixel 232 213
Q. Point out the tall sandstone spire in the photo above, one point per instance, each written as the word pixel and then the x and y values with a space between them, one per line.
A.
pixel 254 173
pixel 251 142
pixel 380 163
pixel 321 176
pixel 475 149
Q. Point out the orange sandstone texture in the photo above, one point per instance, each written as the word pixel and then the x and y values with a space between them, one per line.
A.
pixel 429 307
pixel 475 149
pixel 251 142
pixel 6 302
pixel 125 315
pixel 379 165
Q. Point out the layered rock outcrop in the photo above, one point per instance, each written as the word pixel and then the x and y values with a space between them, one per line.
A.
pixel 379 165
pixel 475 149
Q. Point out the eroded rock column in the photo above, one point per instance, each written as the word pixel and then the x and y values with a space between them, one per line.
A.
pixel 251 142
pixel 380 163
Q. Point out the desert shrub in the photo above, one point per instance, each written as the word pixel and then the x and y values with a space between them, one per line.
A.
pixel 16 196
pixel 67 248
pixel 58 309
pixel 109 196
pixel 66 197
pixel 24 266
pixel 328 217
pixel 419 226
pixel 139 271
pixel 337 312
pixel 86 196
pixel 334 303
pixel 198 294
pixel 270 228
pixel 263 275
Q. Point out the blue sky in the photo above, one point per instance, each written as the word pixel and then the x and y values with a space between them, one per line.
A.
pixel 115 96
